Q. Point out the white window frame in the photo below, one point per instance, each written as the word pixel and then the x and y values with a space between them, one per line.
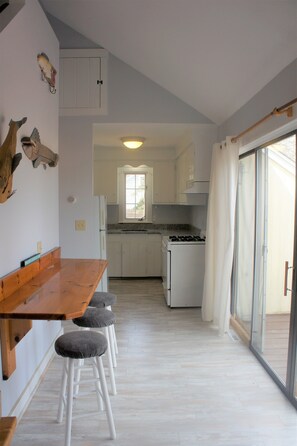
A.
pixel 148 171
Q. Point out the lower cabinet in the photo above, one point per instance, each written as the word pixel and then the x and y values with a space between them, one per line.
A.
pixel 134 255
pixel 114 255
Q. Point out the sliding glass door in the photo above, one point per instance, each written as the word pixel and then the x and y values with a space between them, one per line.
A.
pixel 264 285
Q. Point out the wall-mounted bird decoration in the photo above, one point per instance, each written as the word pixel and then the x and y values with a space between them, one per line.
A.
pixel 48 72
pixel 37 152
pixel 9 160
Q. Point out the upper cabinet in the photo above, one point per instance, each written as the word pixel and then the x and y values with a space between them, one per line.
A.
pixel 194 161
pixel 83 82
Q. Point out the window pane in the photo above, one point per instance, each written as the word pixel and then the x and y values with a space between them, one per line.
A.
pixel 140 196
pixel 130 211
pixel 130 196
pixel 135 196
pixel 140 181
pixel 130 181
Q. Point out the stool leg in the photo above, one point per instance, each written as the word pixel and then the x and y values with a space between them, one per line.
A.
pixel 109 361
pixel 109 415
pixel 97 385
pixel 69 402
pixel 114 335
pixel 115 340
pixel 62 391
pixel 112 349
pixel 77 377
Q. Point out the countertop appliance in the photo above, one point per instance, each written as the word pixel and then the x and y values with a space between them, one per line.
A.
pixel 183 270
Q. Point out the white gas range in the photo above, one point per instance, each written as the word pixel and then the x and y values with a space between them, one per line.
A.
pixel 183 270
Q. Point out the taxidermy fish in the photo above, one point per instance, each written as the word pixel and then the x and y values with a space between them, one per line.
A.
pixel 37 152
pixel 9 160
pixel 48 71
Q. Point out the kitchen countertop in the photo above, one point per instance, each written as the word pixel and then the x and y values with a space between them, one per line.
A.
pixel 150 228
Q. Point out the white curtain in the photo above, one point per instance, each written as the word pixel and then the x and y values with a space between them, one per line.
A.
pixel 220 234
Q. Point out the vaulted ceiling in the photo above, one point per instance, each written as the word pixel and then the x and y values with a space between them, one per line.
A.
pixel 214 55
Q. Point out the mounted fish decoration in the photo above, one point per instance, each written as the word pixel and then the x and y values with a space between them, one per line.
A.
pixel 9 160
pixel 37 152
pixel 48 72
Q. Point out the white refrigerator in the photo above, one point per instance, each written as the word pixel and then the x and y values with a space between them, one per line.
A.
pixel 100 215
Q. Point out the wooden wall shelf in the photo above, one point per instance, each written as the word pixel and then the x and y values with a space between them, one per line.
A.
pixel 48 289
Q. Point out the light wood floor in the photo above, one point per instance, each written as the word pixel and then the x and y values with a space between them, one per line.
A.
pixel 276 343
pixel 178 383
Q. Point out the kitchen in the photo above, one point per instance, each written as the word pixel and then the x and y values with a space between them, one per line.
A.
pixel 178 157
pixel 142 101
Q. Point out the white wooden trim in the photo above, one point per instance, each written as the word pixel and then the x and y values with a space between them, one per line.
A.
pixel 290 126
pixel 84 53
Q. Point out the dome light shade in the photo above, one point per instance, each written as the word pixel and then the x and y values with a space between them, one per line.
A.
pixel 132 142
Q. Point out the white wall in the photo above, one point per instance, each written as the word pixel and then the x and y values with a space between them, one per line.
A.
pixel 31 214
pixel 282 89
pixel 132 97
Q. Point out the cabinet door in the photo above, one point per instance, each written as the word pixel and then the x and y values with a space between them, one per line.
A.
pixel 181 179
pixel 105 180
pixel 134 255
pixel 154 255
pixel 114 255
pixel 82 82
pixel 164 182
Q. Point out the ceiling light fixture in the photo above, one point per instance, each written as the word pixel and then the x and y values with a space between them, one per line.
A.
pixel 132 142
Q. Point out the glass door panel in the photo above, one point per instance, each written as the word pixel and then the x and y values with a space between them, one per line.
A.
pixel 275 217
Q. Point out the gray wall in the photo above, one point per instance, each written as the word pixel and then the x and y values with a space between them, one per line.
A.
pixel 279 91
pixel 32 213
pixel 132 97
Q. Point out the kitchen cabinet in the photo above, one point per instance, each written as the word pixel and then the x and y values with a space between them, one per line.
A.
pixel 203 138
pixel 83 82
pixel 114 255
pixel 105 180
pixel 164 182
pixel 154 256
pixel 134 255
pixel 184 173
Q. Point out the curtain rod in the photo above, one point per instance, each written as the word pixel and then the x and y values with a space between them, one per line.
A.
pixel 286 108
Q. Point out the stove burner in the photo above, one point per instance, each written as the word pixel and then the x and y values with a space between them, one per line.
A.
pixel 186 238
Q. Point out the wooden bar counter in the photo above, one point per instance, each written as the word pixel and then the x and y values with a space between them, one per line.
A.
pixel 51 288
pixel 61 291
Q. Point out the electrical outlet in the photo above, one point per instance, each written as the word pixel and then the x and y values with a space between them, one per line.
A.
pixel 39 247
pixel 80 225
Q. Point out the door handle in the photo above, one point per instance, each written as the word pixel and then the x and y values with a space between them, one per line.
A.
pixel 287 267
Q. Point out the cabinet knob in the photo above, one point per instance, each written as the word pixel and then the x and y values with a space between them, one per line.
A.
pixel 99 82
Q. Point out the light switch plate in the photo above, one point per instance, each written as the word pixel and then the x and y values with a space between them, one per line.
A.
pixel 80 225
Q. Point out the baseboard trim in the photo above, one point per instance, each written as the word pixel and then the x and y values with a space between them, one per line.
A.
pixel 239 330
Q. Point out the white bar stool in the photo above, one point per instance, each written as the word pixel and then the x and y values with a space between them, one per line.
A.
pixel 102 319
pixel 103 299
pixel 82 345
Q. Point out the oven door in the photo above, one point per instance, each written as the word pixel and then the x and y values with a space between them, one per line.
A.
pixel 166 260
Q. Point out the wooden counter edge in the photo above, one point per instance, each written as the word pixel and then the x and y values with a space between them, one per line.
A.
pixel 7 428
pixel 12 331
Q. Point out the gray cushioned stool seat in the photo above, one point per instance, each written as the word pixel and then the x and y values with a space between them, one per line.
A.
pixel 95 318
pixel 102 299
pixel 81 344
